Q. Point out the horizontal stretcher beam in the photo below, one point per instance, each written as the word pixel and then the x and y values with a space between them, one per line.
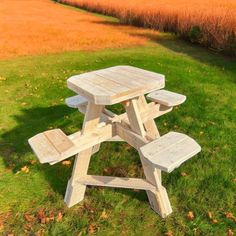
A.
pixel 153 111
pixel 116 182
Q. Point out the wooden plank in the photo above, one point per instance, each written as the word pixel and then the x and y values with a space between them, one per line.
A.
pixel 75 192
pixel 117 182
pixel 159 201
pixel 114 75
pixel 130 136
pixel 95 94
pixel 170 151
pixel 134 117
pixel 99 81
pixel 166 98
pixel 102 87
pixel 86 141
pixel 158 198
pixel 43 149
pixel 76 101
pixel 144 73
pixel 59 140
pixel 149 125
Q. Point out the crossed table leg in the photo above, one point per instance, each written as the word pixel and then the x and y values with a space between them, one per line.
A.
pixel 137 128
pixel 135 132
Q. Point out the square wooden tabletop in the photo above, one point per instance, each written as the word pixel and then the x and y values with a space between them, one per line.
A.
pixel 115 84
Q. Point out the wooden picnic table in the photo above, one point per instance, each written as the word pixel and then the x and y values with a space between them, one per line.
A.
pixel 126 85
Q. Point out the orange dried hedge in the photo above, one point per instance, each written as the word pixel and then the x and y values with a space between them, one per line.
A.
pixel 211 23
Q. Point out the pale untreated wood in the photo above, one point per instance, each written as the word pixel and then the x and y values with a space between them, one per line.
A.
pixel 43 148
pixel 76 101
pixel 159 201
pixel 49 151
pixel 75 192
pixel 115 84
pixel 134 117
pixel 130 136
pixel 166 98
pixel 117 182
pixel 149 124
pixel 170 151
pixel 151 112
pixel 59 140
pixel 128 85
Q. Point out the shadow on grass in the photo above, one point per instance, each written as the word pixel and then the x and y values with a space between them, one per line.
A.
pixel 14 147
pixel 179 45
pixel 16 152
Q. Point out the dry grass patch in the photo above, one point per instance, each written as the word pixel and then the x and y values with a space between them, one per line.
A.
pixel 43 26
pixel 211 23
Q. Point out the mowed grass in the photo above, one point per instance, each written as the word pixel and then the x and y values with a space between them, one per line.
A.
pixel 32 93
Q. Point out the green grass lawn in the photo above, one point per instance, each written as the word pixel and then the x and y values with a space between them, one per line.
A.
pixel 32 93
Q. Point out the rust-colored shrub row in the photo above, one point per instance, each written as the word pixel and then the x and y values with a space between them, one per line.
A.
pixel 211 23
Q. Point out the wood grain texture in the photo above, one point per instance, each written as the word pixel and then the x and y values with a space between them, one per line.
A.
pixel 115 84
pixel 166 98
pixel 170 151
pixel 76 101
pixel 118 182
pixel 75 192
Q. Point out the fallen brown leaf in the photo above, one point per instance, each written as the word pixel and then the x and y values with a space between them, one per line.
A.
pixel 3 219
pixel 230 215
pixel 190 215
pixel 66 163
pixel 184 174
pixel 59 217
pixel 25 169
pixel 230 232
pixel 214 221
pixel 104 215
pixel 41 216
pixel 234 180
pixel 169 233
pixel 29 217
pixel 209 215
pixel 33 162
pixel 92 228
pixel 39 233
pixel 2 78
pixel 28 227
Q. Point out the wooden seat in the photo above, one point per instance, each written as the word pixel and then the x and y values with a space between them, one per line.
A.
pixel 166 98
pixel 76 101
pixel 170 151
pixel 51 145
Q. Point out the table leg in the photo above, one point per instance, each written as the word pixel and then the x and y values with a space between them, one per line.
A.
pixel 75 191
pixel 149 125
pixel 158 199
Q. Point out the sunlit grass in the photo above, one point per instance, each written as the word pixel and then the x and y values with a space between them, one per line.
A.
pixel 32 97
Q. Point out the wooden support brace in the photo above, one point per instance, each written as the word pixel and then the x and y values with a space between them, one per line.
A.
pixel 158 198
pixel 75 192
pixel 116 182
